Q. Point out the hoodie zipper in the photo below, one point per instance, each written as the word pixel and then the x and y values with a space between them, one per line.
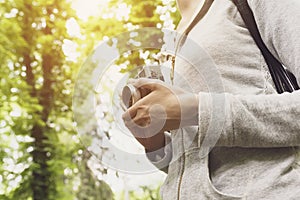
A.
pixel 182 168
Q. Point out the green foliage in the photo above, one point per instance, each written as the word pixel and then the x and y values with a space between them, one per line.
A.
pixel 147 193
pixel 36 101
pixel 40 153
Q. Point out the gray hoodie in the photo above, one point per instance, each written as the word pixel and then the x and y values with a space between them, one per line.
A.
pixel 256 130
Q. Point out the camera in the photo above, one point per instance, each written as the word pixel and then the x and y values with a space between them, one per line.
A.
pixel 131 94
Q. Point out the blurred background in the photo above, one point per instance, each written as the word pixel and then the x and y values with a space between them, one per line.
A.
pixel 43 44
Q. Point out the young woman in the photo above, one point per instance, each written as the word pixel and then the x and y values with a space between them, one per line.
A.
pixel 255 156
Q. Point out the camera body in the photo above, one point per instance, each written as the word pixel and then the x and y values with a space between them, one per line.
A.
pixel 131 94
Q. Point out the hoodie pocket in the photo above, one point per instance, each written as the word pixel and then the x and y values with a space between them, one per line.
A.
pixel 209 188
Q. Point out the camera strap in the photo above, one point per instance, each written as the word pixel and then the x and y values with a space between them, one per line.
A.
pixel 283 79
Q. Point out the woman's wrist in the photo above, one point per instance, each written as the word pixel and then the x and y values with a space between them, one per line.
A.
pixel 156 142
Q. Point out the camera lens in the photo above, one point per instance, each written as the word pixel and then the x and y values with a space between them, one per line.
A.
pixel 130 95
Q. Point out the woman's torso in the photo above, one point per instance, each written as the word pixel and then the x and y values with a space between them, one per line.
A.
pixel 233 173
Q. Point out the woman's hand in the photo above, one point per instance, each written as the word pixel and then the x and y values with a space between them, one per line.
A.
pixel 161 108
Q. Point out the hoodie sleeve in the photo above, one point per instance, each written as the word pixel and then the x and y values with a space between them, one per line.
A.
pixel 262 120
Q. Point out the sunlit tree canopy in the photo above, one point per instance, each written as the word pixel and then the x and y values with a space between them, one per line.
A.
pixel 43 44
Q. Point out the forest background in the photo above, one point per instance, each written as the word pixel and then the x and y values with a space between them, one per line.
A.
pixel 43 45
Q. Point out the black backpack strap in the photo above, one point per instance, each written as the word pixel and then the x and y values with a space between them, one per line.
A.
pixel 284 80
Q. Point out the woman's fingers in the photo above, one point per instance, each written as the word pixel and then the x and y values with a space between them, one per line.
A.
pixel 146 83
pixel 146 119
pixel 143 105
pixel 164 108
pixel 131 112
